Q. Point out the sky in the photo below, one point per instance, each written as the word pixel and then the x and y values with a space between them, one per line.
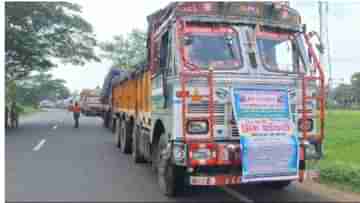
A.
pixel 120 17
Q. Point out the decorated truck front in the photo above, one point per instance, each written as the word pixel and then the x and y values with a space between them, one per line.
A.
pixel 234 94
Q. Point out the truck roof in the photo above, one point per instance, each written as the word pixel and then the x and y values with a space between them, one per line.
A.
pixel 88 92
pixel 275 14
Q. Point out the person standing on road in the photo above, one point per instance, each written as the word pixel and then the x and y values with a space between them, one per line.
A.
pixel 76 113
pixel 14 113
pixel 6 116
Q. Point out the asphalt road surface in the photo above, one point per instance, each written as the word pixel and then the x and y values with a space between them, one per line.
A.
pixel 49 160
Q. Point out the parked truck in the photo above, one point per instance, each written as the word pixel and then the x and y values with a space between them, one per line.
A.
pixel 90 102
pixel 114 75
pixel 231 93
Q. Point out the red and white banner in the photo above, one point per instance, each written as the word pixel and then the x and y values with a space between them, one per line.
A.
pixel 261 99
pixel 265 126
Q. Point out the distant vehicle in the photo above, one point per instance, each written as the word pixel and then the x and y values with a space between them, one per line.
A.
pixel 62 104
pixel 90 103
pixel 67 102
pixel 59 104
pixel 47 104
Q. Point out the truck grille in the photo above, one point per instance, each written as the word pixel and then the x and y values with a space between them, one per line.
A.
pixel 234 131
pixel 204 108
pixel 219 120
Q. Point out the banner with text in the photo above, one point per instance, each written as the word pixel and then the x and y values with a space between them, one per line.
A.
pixel 262 111
pixel 268 141
pixel 269 158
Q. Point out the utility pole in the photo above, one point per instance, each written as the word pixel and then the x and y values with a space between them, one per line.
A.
pixel 321 25
pixel 325 59
pixel 328 44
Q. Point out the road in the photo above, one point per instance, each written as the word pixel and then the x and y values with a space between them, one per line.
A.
pixel 49 160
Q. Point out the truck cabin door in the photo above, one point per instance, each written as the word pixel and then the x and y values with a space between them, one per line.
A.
pixel 162 63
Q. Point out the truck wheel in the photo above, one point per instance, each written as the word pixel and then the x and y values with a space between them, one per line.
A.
pixel 137 157
pixel 111 122
pixel 278 185
pixel 125 138
pixel 171 178
pixel 113 126
pixel 154 157
pixel 117 133
pixel 106 119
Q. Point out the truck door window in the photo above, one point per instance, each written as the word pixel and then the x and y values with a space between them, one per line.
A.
pixel 164 47
pixel 93 100
pixel 278 52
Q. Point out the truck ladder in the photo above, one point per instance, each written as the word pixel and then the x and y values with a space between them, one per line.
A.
pixel 186 74
pixel 318 75
pixel 184 77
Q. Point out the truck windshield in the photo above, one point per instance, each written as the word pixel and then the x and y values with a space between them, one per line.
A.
pixel 278 52
pixel 93 100
pixel 219 50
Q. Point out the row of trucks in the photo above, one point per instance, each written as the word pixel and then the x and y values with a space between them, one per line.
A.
pixel 231 93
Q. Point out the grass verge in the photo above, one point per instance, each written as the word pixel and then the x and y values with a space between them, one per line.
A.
pixel 26 110
pixel 341 164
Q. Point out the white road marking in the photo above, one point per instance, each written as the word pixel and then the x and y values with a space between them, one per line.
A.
pixel 38 146
pixel 236 194
pixel 54 127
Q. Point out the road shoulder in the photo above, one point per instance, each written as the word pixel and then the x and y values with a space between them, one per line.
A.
pixel 328 191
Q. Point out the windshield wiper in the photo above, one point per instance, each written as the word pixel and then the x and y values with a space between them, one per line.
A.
pixel 228 41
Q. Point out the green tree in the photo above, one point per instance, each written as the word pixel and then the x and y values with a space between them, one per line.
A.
pixel 126 51
pixel 38 32
pixel 355 83
pixel 41 86
pixel 344 95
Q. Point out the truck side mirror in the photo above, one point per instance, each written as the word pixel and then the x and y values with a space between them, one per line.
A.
pixel 251 37
pixel 188 40
pixel 320 47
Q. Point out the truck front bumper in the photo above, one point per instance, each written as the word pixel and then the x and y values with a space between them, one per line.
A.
pixel 217 180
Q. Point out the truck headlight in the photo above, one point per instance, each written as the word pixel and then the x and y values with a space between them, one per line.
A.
pixel 197 126
pixel 306 125
pixel 201 154
pixel 179 153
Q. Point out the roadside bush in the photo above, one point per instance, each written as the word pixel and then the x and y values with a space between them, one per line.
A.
pixel 344 174
pixel 20 108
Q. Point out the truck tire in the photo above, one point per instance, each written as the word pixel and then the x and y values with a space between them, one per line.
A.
pixel 278 185
pixel 113 125
pixel 117 134
pixel 125 138
pixel 106 119
pixel 111 122
pixel 171 178
pixel 154 156
pixel 137 157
